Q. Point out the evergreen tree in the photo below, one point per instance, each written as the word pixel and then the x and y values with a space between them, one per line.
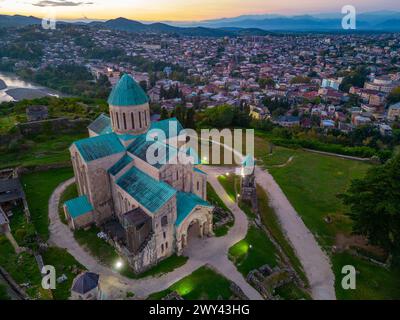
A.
pixel 189 123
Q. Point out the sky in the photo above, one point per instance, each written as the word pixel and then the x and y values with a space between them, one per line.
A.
pixel 182 10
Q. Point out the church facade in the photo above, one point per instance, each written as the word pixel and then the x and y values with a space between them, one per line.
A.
pixel 146 208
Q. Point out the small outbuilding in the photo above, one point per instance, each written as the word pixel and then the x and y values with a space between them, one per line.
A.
pixel 37 113
pixel 79 213
pixel 86 286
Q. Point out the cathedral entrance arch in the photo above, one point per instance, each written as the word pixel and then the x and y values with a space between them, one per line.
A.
pixel 197 225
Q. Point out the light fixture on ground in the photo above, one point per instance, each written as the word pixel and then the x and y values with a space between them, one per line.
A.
pixel 119 264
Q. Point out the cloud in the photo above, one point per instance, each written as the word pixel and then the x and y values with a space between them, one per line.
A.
pixel 59 3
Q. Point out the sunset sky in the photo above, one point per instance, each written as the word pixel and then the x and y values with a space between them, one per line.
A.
pixel 182 10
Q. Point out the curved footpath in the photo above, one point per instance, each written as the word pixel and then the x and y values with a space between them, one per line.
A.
pixel 314 260
pixel 212 251
pixel 316 263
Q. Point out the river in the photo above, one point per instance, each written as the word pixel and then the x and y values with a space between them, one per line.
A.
pixel 18 89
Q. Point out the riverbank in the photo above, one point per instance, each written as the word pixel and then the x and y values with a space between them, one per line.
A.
pixel 28 93
pixel 13 88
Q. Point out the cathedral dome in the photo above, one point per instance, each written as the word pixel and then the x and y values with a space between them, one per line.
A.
pixel 127 92
pixel 129 107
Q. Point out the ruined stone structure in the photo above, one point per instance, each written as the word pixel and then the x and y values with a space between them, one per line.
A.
pixel 248 183
pixel 149 206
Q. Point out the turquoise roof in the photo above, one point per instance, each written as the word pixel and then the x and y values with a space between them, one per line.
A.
pixel 248 161
pixel 185 203
pixel 127 136
pixel 127 92
pixel 121 164
pixel 164 126
pixel 140 146
pixel 199 171
pixel 102 125
pixel 149 192
pixel 78 206
pixel 99 147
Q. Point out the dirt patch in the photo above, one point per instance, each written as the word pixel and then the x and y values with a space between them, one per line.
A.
pixel 346 242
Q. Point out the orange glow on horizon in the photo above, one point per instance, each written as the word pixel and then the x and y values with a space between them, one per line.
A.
pixel 184 10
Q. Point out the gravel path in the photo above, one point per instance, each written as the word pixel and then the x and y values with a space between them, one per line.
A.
pixel 316 263
pixel 212 251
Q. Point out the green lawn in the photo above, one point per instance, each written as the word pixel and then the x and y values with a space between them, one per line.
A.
pixel 23 269
pixel 38 188
pixel 7 123
pixel 42 150
pixel 165 266
pixel 312 182
pixel 231 184
pixel 70 193
pixel 291 292
pixel 3 293
pixel 202 284
pixel 99 248
pixel 372 282
pixel 253 252
pixel 64 263
pixel 23 232
pixel 214 199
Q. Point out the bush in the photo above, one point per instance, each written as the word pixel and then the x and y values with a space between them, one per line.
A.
pixel 362 152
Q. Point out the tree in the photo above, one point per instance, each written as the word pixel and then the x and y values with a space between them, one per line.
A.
pixel 164 114
pixel 394 96
pixel 356 78
pixel 189 123
pixel 266 82
pixel 143 84
pixel 300 80
pixel 375 206
pixel 218 117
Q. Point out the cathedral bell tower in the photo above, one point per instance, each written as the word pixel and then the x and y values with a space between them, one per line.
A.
pixel 129 107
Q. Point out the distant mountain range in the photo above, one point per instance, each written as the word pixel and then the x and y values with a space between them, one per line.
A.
pixel 158 27
pixel 242 25
pixel 373 21
pixel 17 20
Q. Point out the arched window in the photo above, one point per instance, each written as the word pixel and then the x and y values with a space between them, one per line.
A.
pixel 124 116
pixel 117 119
pixel 140 120
pixel 164 221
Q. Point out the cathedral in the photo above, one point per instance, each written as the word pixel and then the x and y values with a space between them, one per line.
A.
pixel 146 209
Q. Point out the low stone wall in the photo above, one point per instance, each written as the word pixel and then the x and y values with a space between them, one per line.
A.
pixel 59 125
pixel 14 286
pixel 41 168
